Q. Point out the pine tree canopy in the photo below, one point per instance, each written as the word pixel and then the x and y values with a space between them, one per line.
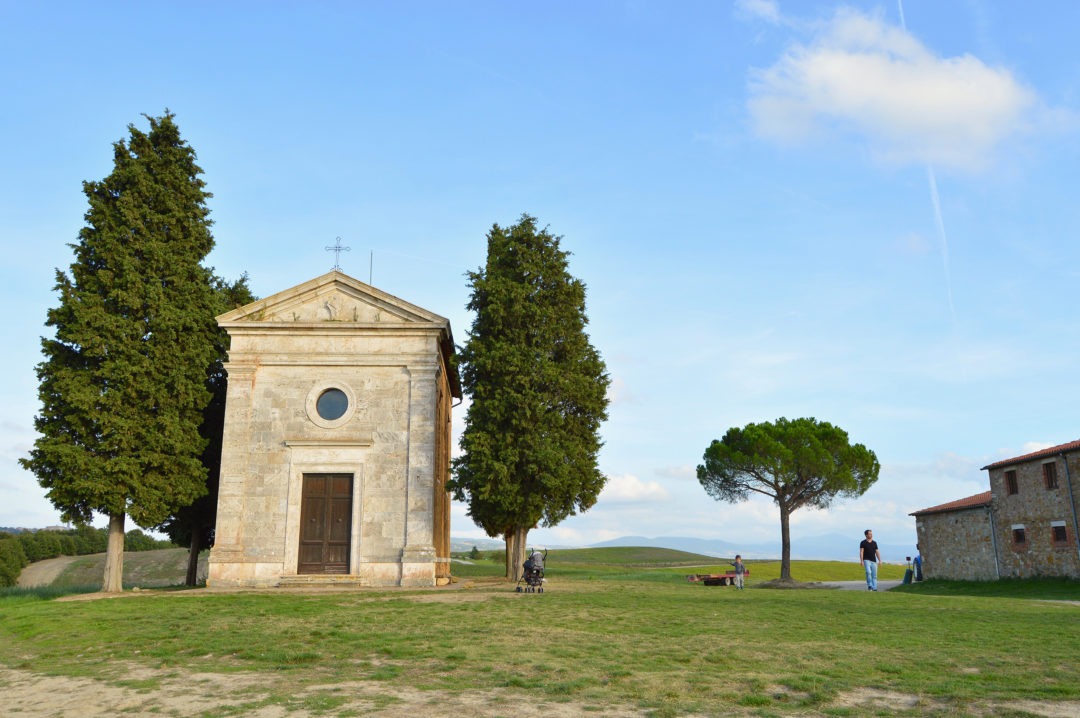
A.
pixel 538 388
pixel 123 383
pixel 795 462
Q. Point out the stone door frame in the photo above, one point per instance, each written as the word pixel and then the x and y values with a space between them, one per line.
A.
pixel 305 459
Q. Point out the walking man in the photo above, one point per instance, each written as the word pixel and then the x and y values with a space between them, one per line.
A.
pixel 870 557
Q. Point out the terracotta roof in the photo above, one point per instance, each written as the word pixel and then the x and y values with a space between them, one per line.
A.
pixel 1041 453
pixel 971 502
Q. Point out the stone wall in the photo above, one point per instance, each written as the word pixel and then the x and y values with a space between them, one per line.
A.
pixel 957 545
pixel 1035 509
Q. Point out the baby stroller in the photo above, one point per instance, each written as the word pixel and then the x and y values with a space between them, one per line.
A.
pixel 532 574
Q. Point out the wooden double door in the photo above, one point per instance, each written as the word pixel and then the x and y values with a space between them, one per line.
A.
pixel 325 523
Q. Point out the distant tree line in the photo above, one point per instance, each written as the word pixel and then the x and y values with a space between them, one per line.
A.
pixel 19 550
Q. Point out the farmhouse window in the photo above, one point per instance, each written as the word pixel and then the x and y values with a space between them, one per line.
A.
pixel 1019 537
pixel 1059 534
pixel 1010 483
pixel 1050 475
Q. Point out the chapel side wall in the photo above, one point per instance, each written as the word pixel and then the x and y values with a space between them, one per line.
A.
pixel 443 437
pixel 956 545
pixel 1035 507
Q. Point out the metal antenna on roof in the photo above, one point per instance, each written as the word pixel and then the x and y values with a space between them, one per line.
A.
pixel 337 249
pixel 370 266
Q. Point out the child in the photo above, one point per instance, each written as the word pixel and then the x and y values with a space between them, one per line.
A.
pixel 740 569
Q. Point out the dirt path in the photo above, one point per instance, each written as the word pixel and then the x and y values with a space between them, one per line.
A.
pixel 42 573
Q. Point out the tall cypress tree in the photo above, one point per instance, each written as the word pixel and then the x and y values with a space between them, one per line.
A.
pixel 538 391
pixel 123 384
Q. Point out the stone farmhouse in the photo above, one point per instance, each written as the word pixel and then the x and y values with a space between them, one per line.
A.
pixel 336 448
pixel 1025 525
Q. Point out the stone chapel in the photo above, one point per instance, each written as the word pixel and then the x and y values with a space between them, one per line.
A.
pixel 336 447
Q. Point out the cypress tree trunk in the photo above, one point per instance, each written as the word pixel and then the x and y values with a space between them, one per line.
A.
pixel 515 552
pixel 508 557
pixel 192 577
pixel 114 556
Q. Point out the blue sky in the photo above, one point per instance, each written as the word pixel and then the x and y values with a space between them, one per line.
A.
pixel 860 212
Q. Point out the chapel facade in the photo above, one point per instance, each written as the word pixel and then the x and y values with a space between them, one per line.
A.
pixel 336 446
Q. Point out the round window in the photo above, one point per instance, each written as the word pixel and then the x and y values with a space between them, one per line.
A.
pixel 332 404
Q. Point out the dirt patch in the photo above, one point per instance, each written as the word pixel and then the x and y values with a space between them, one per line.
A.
pixel 172 693
pixel 180 694
pixel 870 698
pixel 1069 709
pixel 879 701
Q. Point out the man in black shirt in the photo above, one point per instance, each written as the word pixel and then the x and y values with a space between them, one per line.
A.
pixel 870 557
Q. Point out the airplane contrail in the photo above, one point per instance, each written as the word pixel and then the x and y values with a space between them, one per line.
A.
pixel 936 201
pixel 944 239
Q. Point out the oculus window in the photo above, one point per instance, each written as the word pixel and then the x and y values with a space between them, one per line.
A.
pixel 332 404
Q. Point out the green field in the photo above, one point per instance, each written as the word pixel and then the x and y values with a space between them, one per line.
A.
pixel 617 632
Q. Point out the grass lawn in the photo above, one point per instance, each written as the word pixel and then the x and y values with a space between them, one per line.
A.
pixel 622 628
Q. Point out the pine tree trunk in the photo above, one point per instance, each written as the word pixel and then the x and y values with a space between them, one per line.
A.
pixel 785 543
pixel 114 556
pixel 192 577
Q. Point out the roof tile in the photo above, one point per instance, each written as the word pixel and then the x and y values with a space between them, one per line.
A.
pixel 971 502
pixel 1041 453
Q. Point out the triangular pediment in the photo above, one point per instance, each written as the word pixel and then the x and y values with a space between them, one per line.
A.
pixel 333 297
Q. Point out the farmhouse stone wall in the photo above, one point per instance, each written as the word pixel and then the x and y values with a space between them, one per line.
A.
pixel 1026 525
pixel 392 362
pixel 1036 509
pixel 957 545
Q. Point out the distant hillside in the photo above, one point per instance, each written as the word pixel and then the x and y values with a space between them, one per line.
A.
pixel 829 547
pixel 146 569
pixel 628 556
pixel 458 545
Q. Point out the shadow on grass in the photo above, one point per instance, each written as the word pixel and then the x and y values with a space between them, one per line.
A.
pixel 45 593
pixel 48 593
pixel 790 583
pixel 1047 589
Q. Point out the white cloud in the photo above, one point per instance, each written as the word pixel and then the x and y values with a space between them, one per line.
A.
pixel 862 76
pixel 767 10
pixel 618 392
pixel 1027 447
pixel 628 488
pixel 684 471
